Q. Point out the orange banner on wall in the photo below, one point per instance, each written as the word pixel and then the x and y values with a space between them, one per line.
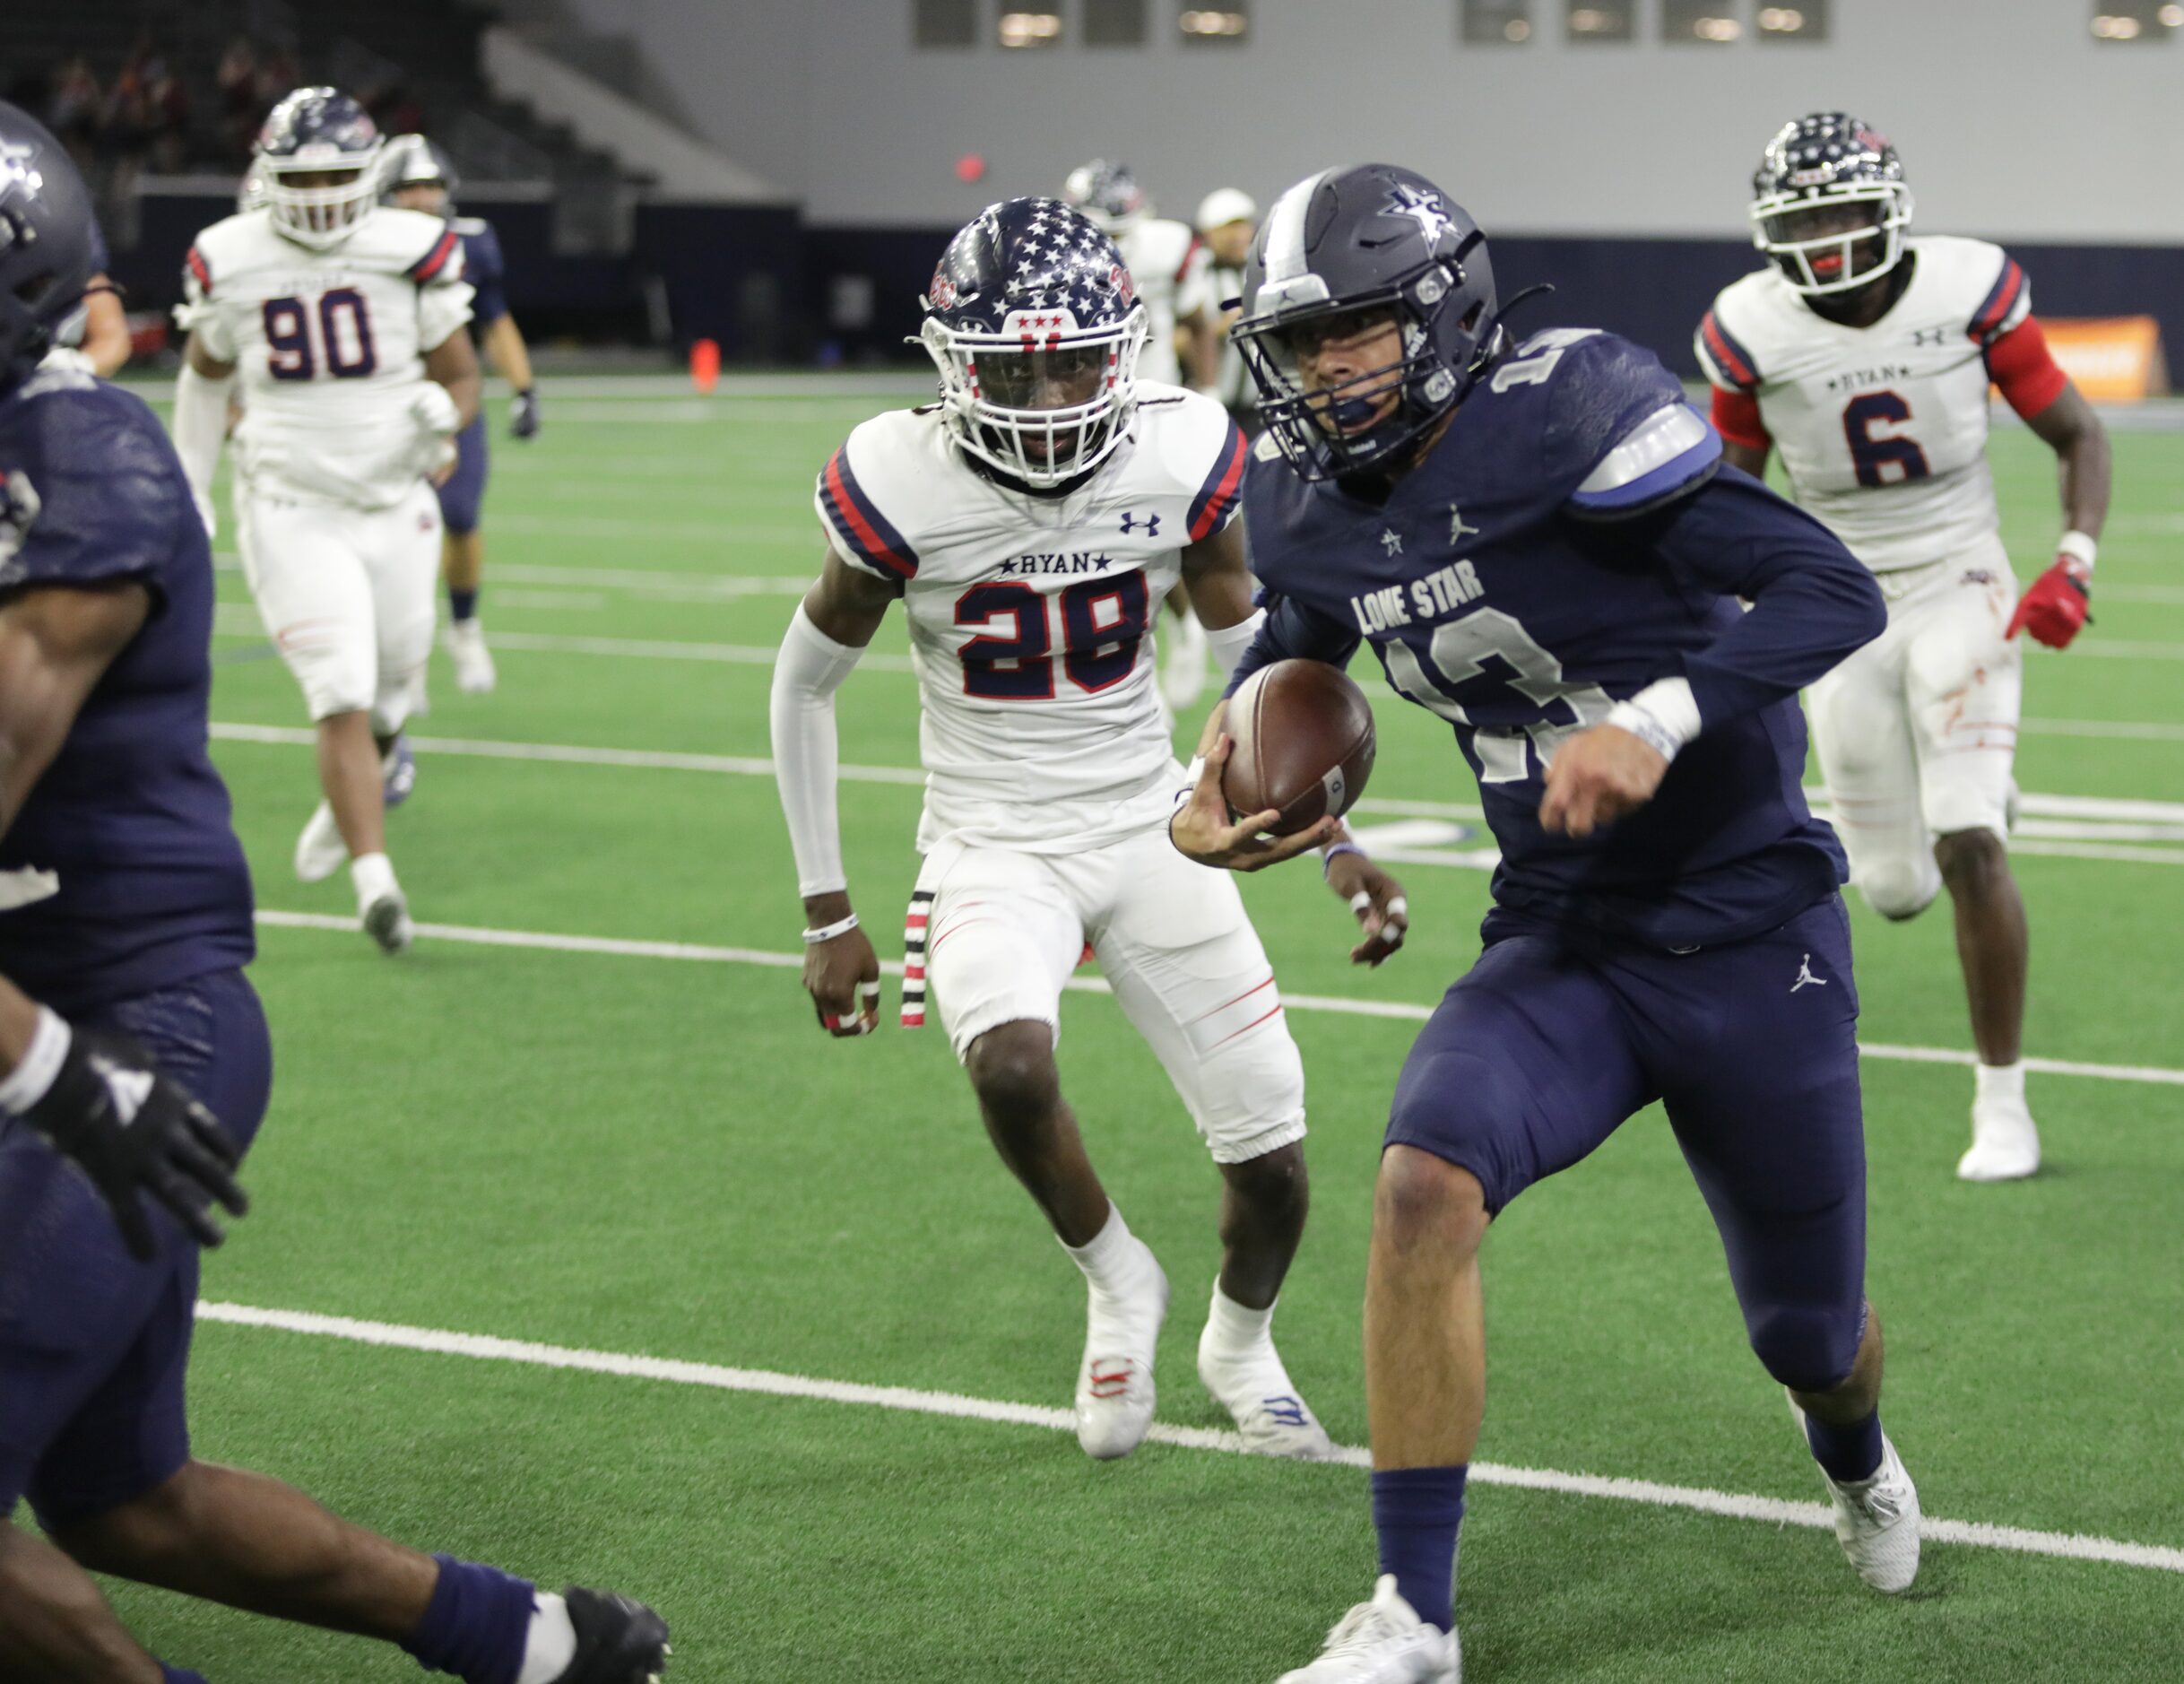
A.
pixel 2111 359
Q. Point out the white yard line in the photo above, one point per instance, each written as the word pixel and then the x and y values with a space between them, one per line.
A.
pixel 1771 1510
pixel 621 947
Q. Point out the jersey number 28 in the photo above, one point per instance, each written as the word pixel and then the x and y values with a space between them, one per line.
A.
pixel 1102 623
pixel 343 341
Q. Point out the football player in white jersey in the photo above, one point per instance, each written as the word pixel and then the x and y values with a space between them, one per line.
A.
pixel 1864 355
pixel 343 319
pixel 1169 267
pixel 1028 522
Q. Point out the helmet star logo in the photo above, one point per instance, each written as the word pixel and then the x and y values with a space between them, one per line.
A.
pixel 1422 206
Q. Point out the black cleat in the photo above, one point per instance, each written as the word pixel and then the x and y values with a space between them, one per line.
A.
pixel 618 1640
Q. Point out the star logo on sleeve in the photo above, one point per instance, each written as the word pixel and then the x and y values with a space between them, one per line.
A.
pixel 1392 541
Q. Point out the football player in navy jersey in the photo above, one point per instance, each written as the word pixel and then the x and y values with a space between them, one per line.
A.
pixel 130 1041
pixel 1542 545
pixel 421 178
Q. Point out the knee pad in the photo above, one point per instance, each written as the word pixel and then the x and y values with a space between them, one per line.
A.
pixel 1249 1095
pixel 1806 1347
pixel 1900 886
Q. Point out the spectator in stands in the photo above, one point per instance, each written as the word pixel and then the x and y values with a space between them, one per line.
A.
pixel 241 108
pixel 76 111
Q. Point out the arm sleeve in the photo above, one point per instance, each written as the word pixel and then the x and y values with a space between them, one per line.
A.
pixel 2021 364
pixel 201 425
pixel 1736 418
pixel 811 668
pixel 488 275
pixel 1813 602
pixel 1289 630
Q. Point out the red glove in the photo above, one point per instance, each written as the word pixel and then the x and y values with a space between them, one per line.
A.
pixel 2054 609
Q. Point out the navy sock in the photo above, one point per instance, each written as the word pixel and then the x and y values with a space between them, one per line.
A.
pixel 1416 1511
pixel 476 1626
pixel 462 605
pixel 1846 1453
pixel 175 1675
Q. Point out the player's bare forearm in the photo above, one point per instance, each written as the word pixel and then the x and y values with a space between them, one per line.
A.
pixel 56 642
pixel 18 1024
pixel 1751 458
pixel 452 363
pixel 2070 427
pixel 204 362
pixel 1218 579
pixel 506 350
pixel 106 328
pixel 846 603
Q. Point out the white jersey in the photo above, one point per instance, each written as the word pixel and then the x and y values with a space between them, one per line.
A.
pixel 330 346
pixel 1167 264
pixel 1883 430
pixel 1042 727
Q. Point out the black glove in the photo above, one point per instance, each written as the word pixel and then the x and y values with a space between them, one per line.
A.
pixel 134 1129
pixel 523 413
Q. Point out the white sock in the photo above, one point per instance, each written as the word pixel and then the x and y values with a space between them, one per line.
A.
pixel 552 1642
pixel 373 875
pixel 1233 1332
pixel 1999 1084
pixel 1108 1256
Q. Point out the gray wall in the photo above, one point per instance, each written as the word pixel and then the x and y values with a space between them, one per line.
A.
pixel 2013 121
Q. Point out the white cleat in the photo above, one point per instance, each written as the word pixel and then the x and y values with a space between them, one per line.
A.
pixel 2005 1144
pixel 1876 1518
pixel 1114 1384
pixel 1257 1390
pixel 387 920
pixel 474 662
pixel 1183 665
pixel 1384 1642
pixel 320 851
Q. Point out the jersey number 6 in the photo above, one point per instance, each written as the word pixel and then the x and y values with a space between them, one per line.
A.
pixel 1874 457
pixel 1103 623
pixel 345 331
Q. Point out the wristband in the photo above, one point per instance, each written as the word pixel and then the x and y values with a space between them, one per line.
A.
pixel 1191 773
pixel 826 933
pixel 2079 548
pixel 1328 854
pixel 1663 715
pixel 32 1079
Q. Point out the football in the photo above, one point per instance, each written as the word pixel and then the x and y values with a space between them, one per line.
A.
pixel 1301 743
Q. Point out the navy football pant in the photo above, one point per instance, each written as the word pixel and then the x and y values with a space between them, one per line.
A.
pixel 94 1346
pixel 1542 1050
pixel 465 493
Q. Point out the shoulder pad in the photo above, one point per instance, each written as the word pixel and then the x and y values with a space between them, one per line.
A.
pixel 1724 355
pixel 864 494
pixel 1606 444
pixel 1206 450
pixel 472 226
pixel 92 489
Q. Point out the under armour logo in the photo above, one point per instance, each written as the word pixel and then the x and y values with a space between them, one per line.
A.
pixel 1113 1382
pixel 1932 336
pixel 1151 524
pixel 1392 541
pixel 1288 1411
pixel 1805 976
pixel 1458 531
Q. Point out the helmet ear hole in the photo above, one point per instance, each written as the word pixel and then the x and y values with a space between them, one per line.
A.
pixel 1472 316
pixel 31 291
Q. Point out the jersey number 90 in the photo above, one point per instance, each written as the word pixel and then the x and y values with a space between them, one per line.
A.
pixel 1103 623
pixel 342 345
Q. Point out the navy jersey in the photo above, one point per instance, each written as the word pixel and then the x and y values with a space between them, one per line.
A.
pixel 485 269
pixel 1572 538
pixel 122 872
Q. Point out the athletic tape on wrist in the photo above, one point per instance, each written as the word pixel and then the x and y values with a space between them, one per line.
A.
pixel 32 1078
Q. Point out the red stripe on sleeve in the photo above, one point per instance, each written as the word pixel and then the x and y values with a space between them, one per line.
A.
pixel 437 258
pixel 2022 365
pixel 1217 504
pixel 198 268
pixel 869 540
pixel 1719 347
pixel 1735 417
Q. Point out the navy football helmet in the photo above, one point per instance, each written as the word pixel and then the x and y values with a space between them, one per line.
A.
pixel 1830 204
pixel 414 161
pixel 312 134
pixel 1108 193
pixel 1337 251
pixel 46 239
pixel 1035 326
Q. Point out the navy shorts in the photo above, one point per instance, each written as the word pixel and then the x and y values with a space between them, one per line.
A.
pixel 94 1345
pixel 465 493
pixel 1541 1051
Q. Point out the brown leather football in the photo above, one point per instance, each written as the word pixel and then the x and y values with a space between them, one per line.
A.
pixel 1301 741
